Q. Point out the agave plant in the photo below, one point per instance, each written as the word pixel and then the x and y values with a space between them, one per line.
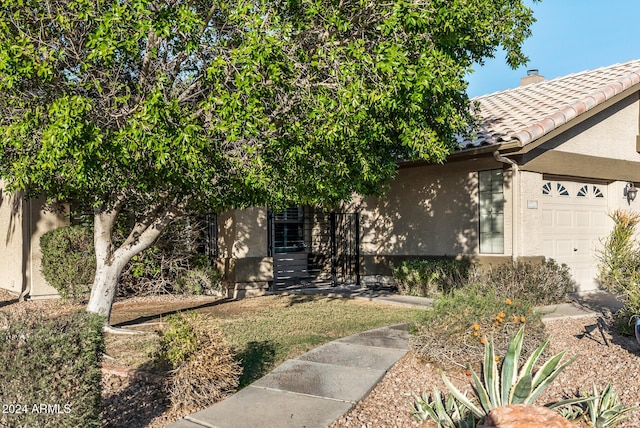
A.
pixel 447 413
pixel 604 410
pixel 511 386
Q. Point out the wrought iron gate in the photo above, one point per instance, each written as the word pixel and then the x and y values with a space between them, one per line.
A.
pixel 311 248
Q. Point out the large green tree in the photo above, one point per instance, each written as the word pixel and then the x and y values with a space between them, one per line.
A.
pixel 160 107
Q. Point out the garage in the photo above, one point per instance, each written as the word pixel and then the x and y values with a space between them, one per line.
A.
pixel 574 223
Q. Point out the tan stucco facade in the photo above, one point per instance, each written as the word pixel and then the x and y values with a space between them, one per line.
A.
pixel 432 210
pixel 23 222
pixel 429 211
pixel 243 251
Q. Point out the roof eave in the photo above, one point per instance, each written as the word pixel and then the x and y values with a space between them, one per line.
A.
pixel 535 135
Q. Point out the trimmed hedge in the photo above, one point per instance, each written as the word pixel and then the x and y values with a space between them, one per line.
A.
pixel 50 371
pixel 69 261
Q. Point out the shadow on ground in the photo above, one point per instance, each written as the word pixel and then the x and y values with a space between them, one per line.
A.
pixel 133 402
pixel 257 360
pixel 602 303
pixel 162 312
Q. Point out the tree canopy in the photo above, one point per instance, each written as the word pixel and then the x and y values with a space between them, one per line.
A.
pixel 161 106
pixel 240 102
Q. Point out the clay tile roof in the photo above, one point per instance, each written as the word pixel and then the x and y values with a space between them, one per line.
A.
pixel 527 113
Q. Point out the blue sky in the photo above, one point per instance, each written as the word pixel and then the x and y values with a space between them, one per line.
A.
pixel 569 36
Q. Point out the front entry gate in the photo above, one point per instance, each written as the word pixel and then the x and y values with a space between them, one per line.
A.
pixel 314 248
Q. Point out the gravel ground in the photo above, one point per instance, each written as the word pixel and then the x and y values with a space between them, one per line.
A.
pixel 602 358
pixel 134 400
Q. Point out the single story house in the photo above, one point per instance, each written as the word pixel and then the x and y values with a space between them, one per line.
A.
pixel 552 159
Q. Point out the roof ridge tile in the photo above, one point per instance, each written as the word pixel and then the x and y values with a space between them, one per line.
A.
pixel 542 107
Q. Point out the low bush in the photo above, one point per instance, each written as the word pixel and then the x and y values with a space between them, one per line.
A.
pixel 69 261
pixel 51 371
pixel 201 279
pixel 430 277
pixel 539 283
pixel 454 332
pixel 174 264
pixel 619 267
pixel 203 367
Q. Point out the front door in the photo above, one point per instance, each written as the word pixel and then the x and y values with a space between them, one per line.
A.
pixel 311 248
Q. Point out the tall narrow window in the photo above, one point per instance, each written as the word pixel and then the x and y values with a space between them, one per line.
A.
pixel 491 211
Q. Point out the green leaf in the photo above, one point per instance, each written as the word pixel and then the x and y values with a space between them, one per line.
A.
pixel 510 366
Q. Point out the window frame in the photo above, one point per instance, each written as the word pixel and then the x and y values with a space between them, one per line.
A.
pixel 491 213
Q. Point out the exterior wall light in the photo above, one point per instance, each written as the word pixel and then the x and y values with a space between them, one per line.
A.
pixel 630 191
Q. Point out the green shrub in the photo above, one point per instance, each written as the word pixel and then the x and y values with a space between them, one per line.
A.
pixel 173 264
pixel 68 261
pixel 619 266
pixel 430 277
pixel 179 340
pixel 167 266
pixel 203 279
pixel 539 283
pixel 53 365
pixel 204 368
pixel 454 331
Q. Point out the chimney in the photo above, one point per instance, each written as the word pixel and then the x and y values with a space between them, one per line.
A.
pixel 532 77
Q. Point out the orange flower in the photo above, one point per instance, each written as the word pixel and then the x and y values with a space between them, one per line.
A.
pixel 495 324
pixel 523 319
pixel 468 372
pixel 483 340
pixel 501 314
pixel 476 327
pixel 475 333
pixel 508 301
pixel 497 358
pixel 515 318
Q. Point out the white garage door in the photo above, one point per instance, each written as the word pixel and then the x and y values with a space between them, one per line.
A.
pixel 574 222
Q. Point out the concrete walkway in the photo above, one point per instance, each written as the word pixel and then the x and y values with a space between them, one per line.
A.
pixel 317 388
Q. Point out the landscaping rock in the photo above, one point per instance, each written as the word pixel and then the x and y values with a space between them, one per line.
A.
pixel 525 416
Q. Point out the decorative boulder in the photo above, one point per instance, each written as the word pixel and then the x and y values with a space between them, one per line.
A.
pixel 524 416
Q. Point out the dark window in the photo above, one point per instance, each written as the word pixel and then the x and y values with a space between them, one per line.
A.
pixel 288 230
pixel 491 199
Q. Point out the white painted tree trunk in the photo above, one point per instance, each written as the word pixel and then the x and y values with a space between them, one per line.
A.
pixel 104 286
pixel 111 261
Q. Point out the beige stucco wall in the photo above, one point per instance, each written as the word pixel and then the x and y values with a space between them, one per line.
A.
pixel 12 253
pixel 22 223
pixel 609 134
pixel 243 250
pixel 243 233
pixel 39 222
pixel 429 210
pixel 531 214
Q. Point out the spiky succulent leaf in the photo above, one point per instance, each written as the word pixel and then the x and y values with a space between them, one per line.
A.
pixel 510 366
pixel 533 358
pixel 491 376
pixel 521 390
pixel 477 412
pixel 482 393
pixel 545 380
